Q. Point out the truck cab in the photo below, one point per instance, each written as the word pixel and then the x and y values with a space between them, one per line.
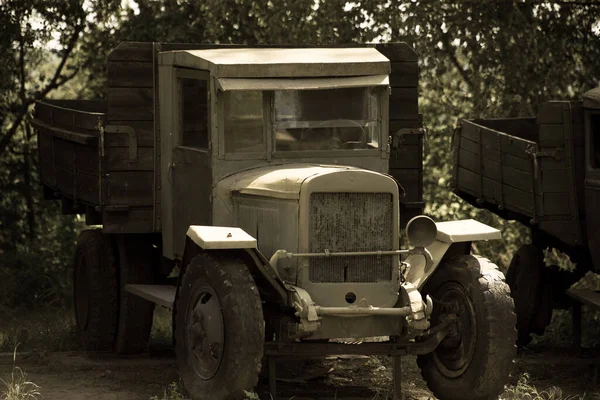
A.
pixel 233 116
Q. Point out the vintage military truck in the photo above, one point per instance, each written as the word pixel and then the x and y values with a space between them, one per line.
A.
pixel 543 171
pixel 261 178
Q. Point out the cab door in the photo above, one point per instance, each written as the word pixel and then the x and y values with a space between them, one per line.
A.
pixel 185 143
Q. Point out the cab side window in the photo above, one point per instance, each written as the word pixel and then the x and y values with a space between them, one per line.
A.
pixel 194 113
pixel 243 121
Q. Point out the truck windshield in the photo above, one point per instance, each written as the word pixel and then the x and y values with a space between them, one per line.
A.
pixel 325 119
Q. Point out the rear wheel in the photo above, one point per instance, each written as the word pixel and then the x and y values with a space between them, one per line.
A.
pixel 474 363
pixel 531 288
pixel 137 256
pixel 95 289
pixel 219 328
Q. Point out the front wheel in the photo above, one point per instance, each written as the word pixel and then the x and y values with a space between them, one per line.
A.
pixel 219 328
pixel 474 363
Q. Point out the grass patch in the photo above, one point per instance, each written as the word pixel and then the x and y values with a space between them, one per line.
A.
pixel 172 392
pixel 524 390
pixel 44 330
pixel 161 335
pixel 17 387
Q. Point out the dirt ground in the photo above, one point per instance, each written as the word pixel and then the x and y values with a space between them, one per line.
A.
pixel 76 376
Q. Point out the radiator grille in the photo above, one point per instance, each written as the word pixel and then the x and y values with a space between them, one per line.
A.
pixel 351 222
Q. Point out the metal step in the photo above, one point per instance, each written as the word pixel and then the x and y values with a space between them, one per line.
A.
pixel 163 295
pixel 585 296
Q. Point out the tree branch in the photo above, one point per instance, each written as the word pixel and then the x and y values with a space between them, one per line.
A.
pixel 452 56
pixel 54 83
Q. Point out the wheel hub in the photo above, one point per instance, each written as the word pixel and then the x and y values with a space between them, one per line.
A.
pixel 455 352
pixel 205 333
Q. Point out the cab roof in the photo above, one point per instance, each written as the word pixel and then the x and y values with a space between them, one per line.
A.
pixel 591 99
pixel 281 63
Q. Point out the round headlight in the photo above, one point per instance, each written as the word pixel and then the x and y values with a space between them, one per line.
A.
pixel 421 231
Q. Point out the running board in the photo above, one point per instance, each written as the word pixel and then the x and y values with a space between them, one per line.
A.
pixel 163 295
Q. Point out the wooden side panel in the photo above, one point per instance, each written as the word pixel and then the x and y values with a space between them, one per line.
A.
pixel 407 152
pixel 144 131
pixel 411 181
pixel 128 188
pixel 406 155
pixel 118 159
pixel 68 136
pixel 552 112
pixel 46 153
pixel 134 74
pixel 134 220
pixel 534 179
pixel 126 103
pixel 78 185
pixel 129 184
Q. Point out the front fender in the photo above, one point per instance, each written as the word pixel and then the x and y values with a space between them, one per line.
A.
pixel 448 233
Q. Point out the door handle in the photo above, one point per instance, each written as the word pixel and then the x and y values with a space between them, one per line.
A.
pixel 170 171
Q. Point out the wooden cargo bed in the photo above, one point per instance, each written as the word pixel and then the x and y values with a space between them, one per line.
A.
pixel 526 169
pixel 68 142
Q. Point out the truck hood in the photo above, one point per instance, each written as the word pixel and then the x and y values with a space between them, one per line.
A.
pixel 280 181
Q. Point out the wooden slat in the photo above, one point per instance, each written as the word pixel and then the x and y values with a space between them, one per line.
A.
pixel 404 74
pixel 557 180
pixel 46 153
pixel 404 104
pixel 78 105
pixel 130 74
pixel 134 220
pixel 78 186
pixel 408 153
pixel 67 134
pixel 397 51
pixel 524 128
pixel 132 51
pixel 130 104
pixel 397 124
pixel 508 175
pixel 552 135
pixel 144 131
pixel 497 140
pixel 495 193
pixel 411 181
pixel 64 154
pixel 118 159
pixel 471 147
pixel 548 205
pixel 516 162
pixel 56 114
pixel 555 204
pixel 552 112
pixel 132 188
pixel 87 160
